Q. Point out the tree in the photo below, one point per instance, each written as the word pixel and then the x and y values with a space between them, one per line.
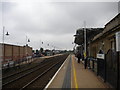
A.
pixel 41 50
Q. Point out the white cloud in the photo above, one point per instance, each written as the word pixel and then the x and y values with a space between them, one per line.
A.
pixel 53 23
pixel 60 0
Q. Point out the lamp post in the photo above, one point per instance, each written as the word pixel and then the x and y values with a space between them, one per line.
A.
pixel 74 47
pixel 4 34
pixel 41 44
pixel 85 48
pixel 3 43
pixel 85 39
pixel 41 48
pixel 27 40
pixel 84 43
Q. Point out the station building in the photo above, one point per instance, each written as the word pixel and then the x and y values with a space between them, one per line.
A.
pixel 99 38
pixel 103 43
pixel 106 40
pixel 79 37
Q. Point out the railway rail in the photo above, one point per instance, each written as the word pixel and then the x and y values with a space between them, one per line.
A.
pixel 17 69
pixel 31 75
pixel 15 76
pixel 34 83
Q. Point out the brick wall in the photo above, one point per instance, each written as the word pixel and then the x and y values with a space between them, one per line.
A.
pixel 14 52
pixel 7 52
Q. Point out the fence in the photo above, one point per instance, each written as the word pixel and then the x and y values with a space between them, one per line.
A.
pixel 111 67
pixel 92 64
pixel 108 68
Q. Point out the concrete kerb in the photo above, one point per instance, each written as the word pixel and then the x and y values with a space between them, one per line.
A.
pixel 46 87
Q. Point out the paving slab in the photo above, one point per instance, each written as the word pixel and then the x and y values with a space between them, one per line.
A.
pixel 59 80
pixel 73 75
pixel 84 78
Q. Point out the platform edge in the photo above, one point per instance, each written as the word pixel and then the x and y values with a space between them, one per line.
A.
pixel 55 75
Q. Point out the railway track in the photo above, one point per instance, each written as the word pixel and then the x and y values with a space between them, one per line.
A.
pixel 6 73
pixel 34 83
pixel 15 76
pixel 28 78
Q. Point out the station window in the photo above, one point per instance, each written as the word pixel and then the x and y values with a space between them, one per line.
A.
pixel 113 45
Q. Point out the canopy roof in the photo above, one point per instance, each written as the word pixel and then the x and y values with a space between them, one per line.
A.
pixel 90 32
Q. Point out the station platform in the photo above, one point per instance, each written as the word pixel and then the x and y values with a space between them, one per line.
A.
pixel 39 59
pixel 73 75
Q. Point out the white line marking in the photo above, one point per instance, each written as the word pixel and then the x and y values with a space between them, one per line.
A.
pixel 55 75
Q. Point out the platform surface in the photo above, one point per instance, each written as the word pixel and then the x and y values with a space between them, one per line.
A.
pixel 73 75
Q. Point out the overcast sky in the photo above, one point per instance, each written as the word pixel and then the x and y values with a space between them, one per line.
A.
pixel 52 23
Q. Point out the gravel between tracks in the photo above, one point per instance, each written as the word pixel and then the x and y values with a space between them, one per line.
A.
pixel 27 70
pixel 43 81
pixel 12 70
pixel 21 82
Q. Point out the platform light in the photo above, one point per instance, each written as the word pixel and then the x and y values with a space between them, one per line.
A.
pixel 7 34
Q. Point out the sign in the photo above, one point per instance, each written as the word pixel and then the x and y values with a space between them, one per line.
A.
pixel 101 56
pixel 118 41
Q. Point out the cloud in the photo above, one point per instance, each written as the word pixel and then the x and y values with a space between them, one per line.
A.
pixel 53 22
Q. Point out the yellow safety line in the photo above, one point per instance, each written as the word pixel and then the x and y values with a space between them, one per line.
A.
pixel 75 79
